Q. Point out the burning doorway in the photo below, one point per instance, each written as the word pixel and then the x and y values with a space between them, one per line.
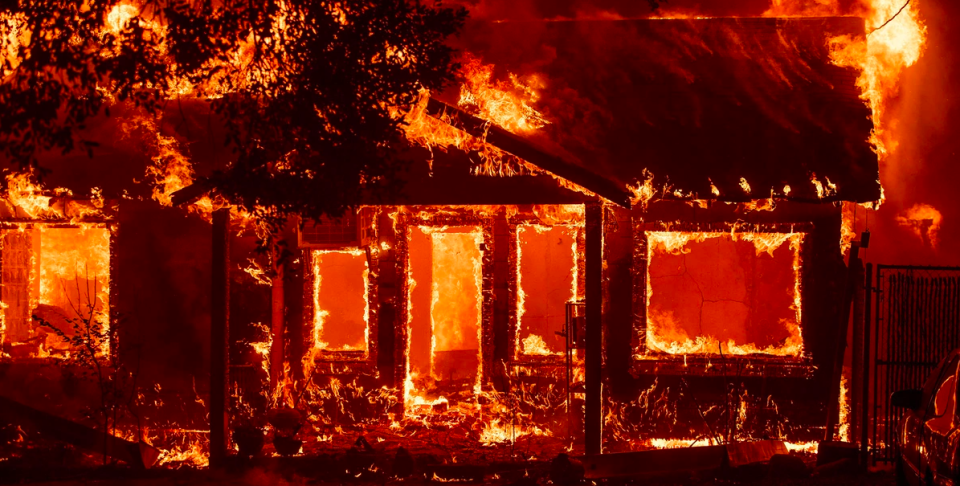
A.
pixel 444 311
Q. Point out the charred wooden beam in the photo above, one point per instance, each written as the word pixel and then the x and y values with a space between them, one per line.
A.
pixel 525 149
pixel 219 337
pixel 653 462
pixel 191 193
pixel 277 307
pixel 687 459
pixel 865 389
pixel 856 363
pixel 593 376
pixel 136 454
pixel 854 272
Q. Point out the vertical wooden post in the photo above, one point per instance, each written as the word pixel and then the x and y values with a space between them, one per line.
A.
pixel 277 307
pixel 856 363
pixel 865 410
pixel 854 268
pixel 219 337
pixel 593 419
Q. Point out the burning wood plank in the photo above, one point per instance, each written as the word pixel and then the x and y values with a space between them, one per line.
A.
pixel 560 165
pixel 136 454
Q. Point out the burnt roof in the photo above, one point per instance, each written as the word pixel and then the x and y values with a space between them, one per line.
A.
pixel 695 100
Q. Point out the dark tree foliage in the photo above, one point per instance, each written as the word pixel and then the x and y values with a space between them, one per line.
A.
pixel 60 66
pixel 311 92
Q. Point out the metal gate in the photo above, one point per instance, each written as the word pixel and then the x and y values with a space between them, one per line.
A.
pixel 916 323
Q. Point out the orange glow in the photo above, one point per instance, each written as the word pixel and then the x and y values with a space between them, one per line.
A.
pixel 507 105
pixel 643 192
pixel 188 452
pixel 510 106
pixel 546 281
pixel 497 432
pixel 847 231
pixel 894 41
pixel 345 287
pixel 68 283
pixel 657 443
pixel 723 302
pixel 535 345
pixel 456 302
pixel 75 270
pixel 24 194
pixel 807 447
pixel 65 269
pixel 443 311
pixel 844 415
pixel 882 57
pixel 924 220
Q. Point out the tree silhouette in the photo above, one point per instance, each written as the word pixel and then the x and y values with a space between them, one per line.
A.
pixel 312 92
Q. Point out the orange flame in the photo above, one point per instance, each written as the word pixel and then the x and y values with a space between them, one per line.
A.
pixel 924 220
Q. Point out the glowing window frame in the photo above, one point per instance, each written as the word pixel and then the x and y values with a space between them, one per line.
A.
pixel 372 310
pixel 639 349
pixel 513 284
pixel 106 222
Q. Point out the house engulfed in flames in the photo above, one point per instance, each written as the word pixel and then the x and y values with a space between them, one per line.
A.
pixel 669 195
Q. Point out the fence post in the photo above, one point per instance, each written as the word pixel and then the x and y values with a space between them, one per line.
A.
pixel 865 389
pixel 220 337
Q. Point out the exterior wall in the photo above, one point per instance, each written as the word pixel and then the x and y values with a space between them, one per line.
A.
pixel 778 400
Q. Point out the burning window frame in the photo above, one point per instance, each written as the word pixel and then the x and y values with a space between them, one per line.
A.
pixel 310 309
pixel 66 212
pixel 574 219
pixel 408 217
pixel 364 222
pixel 648 360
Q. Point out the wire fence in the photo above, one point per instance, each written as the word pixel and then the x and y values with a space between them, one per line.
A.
pixel 916 323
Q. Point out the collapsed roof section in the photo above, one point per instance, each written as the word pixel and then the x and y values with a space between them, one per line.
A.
pixel 696 101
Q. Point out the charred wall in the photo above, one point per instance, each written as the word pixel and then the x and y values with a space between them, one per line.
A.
pixel 163 294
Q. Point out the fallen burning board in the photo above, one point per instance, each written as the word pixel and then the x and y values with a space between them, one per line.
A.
pixel 742 453
pixel 659 461
pixel 133 453
pixel 666 461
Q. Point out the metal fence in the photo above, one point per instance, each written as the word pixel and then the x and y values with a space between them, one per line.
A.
pixel 916 323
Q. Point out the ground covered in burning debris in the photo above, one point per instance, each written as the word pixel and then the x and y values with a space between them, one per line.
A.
pixel 319 471
pixel 364 463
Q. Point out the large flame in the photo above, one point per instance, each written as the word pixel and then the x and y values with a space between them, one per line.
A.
pixel 340 258
pixel 70 260
pixel 894 41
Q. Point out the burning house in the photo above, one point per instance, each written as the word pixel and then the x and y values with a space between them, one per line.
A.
pixel 711 160
pixel 618 234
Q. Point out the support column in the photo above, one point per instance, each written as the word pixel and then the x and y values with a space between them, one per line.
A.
pixel 277 307
pixel 219 337
pixel 593 420
pixel 865 409
pixel 856 362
